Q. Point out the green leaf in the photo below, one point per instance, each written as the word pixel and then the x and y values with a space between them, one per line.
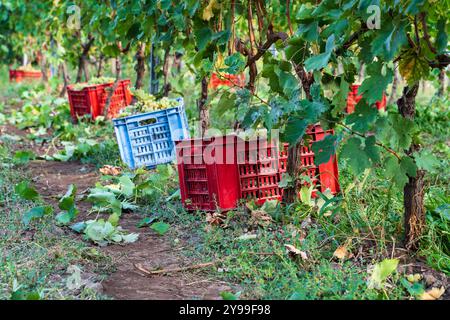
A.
pixel 127 186
pixel 381 272
pixel 355 155
pixel 325 149
pixel 64 218
pixel 306 195
pixel 25 191
pixel 399 171
pixel 35 213
pixel 235 63
pixel 415 289
pixel 227 102
pixel 363 116
pixel 114 219
pixel 67 202
pixel 230 296
pixel 23 157
pixel 78 227
pixel 413 68
pixel 146 221
pixel 295 130
pixel 375 84
pixel 425 160
pixel 160 227
pixel 321 60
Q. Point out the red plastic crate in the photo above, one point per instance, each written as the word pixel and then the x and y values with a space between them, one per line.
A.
pixel 260 167
pixel 92 99
pixel 229 80
pixel 354 98
pixel 20 75
pixel 208 173
pixel 324 176
pixel 259 178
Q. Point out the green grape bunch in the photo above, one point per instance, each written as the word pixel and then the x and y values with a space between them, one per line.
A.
pixel 147 103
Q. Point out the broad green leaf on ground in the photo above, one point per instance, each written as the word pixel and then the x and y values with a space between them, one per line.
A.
pixel 103 232
pixel 146 221
pixel 230 296
pixel 67 204
pixel 127 186
pixel 23 157
pixel 325 149
pixel 35 213
pixel 160 227
pixel 381 272
pixel 25 191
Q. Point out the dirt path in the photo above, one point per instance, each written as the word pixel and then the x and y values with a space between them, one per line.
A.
pixel 152 251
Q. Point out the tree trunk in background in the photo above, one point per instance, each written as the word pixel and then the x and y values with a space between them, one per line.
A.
pixel 413 192
pixel 82 62
pixel 114 87
pixel 44 69
pixel 203 108
pixel 167 87
pixel 100 65
pixel 442 83
pixel 393 95
pixel 140 66
pixel 294 159
pixel 66 79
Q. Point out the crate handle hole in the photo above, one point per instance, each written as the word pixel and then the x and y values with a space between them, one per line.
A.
pixel 148 121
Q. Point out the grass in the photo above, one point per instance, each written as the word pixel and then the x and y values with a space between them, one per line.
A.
pixel 34 260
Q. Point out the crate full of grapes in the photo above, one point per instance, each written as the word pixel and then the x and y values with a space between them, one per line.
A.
pixel 146 131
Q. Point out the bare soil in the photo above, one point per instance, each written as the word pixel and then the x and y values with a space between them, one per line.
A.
pixel 51 179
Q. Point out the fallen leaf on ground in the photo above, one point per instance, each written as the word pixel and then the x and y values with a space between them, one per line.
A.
pixel 432 294
pixel 293 251
pixel 110 170
pixel 215 218
pixel 342 252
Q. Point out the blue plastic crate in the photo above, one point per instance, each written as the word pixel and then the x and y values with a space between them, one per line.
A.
pixel 147 139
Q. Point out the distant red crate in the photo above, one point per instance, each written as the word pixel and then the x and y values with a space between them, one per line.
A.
pixel 353 99
pixel 92 99
pixel 228 80
pixel 208 179
pixel 21 75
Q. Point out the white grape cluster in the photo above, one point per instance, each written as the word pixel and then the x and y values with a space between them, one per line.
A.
pixel 147 103
pixel 93 81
